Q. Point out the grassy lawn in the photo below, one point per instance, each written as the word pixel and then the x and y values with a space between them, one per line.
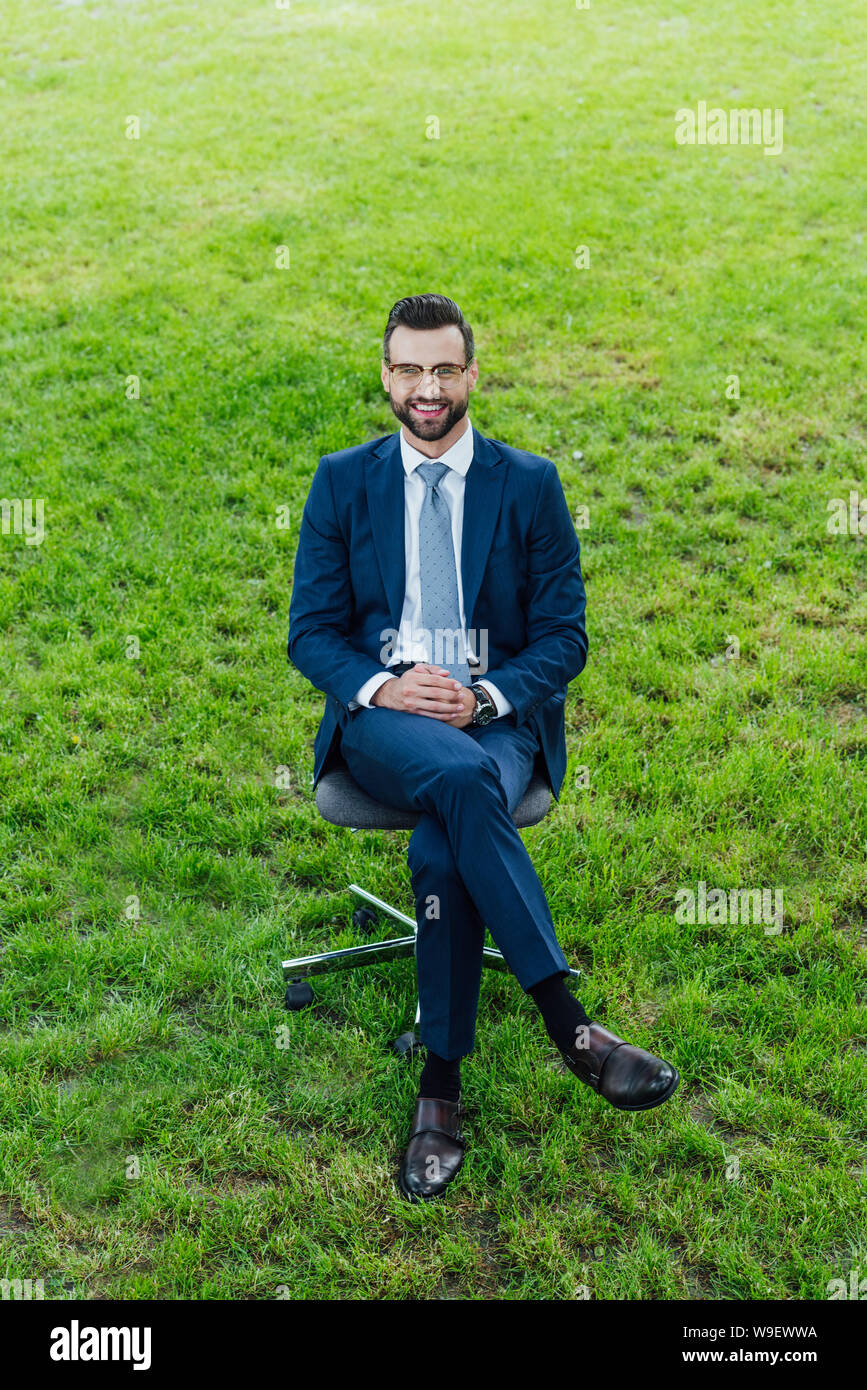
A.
pixel 168 1131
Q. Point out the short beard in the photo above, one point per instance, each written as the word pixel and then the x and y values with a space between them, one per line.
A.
pixel 430 429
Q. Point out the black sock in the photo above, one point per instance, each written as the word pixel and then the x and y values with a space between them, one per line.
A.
pixel 561 1012
pixel 440 1079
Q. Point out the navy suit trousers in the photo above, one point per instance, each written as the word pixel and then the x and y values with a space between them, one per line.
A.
pixel 468 864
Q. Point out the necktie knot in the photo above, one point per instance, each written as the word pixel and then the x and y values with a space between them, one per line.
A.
pixel 432 472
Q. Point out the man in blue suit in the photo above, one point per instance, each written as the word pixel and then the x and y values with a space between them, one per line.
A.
pixel 438 603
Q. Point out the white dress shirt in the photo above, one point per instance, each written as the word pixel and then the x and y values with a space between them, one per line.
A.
pixel 451 486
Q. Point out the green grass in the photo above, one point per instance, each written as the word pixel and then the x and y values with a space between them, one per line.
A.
pixel 154 777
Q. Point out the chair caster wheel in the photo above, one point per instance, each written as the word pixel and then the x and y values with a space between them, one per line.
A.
pixel 364 920
pixel 299 994
pixel 407 1045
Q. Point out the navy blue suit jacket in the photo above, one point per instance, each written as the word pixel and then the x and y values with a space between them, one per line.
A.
pixel 520 570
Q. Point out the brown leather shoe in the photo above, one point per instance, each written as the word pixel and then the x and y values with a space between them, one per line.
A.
pixel 626 1076
pixel 436 1149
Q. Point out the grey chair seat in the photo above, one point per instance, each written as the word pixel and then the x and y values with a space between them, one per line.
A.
pixel 340 800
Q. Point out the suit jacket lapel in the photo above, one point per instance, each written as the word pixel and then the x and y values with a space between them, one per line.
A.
pixel 384 480
pixel 483 491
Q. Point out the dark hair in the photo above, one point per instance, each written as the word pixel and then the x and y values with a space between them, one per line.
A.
pixel 428 311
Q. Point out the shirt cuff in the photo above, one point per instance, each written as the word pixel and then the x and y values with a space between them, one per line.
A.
pixel 362 696
pixel 504 706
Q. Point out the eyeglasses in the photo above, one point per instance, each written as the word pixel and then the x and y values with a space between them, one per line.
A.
pixel 447 373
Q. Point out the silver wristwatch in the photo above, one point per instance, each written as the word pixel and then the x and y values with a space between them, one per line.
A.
pixel 485 709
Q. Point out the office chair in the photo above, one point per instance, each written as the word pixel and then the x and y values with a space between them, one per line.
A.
pixel 341 801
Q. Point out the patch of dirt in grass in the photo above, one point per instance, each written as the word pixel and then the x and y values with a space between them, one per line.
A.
pixel 602 1159
pixel 846 712
pixel 69 1082
pixel 242 1183
pixel 829 1108
pixel 483 1230
pixel 13 1221
pixel 701 1112
pixel 635 517
pixel 811 615
pixel 325 1014
pixel 853 746
pixel 597 361
pixel 851 920
pixel 301 1131
pixel 736 1140
pixel 191 1014
pixel 697 1281
pixel 198 1189
pixel 649 1012
pixel 483 1226
pixel 450 1287
pixel 228 1185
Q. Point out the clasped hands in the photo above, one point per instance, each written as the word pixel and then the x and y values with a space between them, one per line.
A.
pixel 428 690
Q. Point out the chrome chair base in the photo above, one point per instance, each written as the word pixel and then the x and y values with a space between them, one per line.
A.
pixel 341 801
pixel 300 968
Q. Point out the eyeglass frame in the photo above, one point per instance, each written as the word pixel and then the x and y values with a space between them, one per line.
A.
pixel 428 371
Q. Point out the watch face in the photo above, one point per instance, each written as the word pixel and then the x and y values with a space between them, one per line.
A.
pixel 484 711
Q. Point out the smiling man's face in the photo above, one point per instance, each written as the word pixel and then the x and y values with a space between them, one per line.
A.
pixel 429 410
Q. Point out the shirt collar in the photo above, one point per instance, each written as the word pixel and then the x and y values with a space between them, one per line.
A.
pixel 459 456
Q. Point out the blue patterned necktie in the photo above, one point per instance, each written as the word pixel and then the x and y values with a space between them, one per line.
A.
pixel 437 573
